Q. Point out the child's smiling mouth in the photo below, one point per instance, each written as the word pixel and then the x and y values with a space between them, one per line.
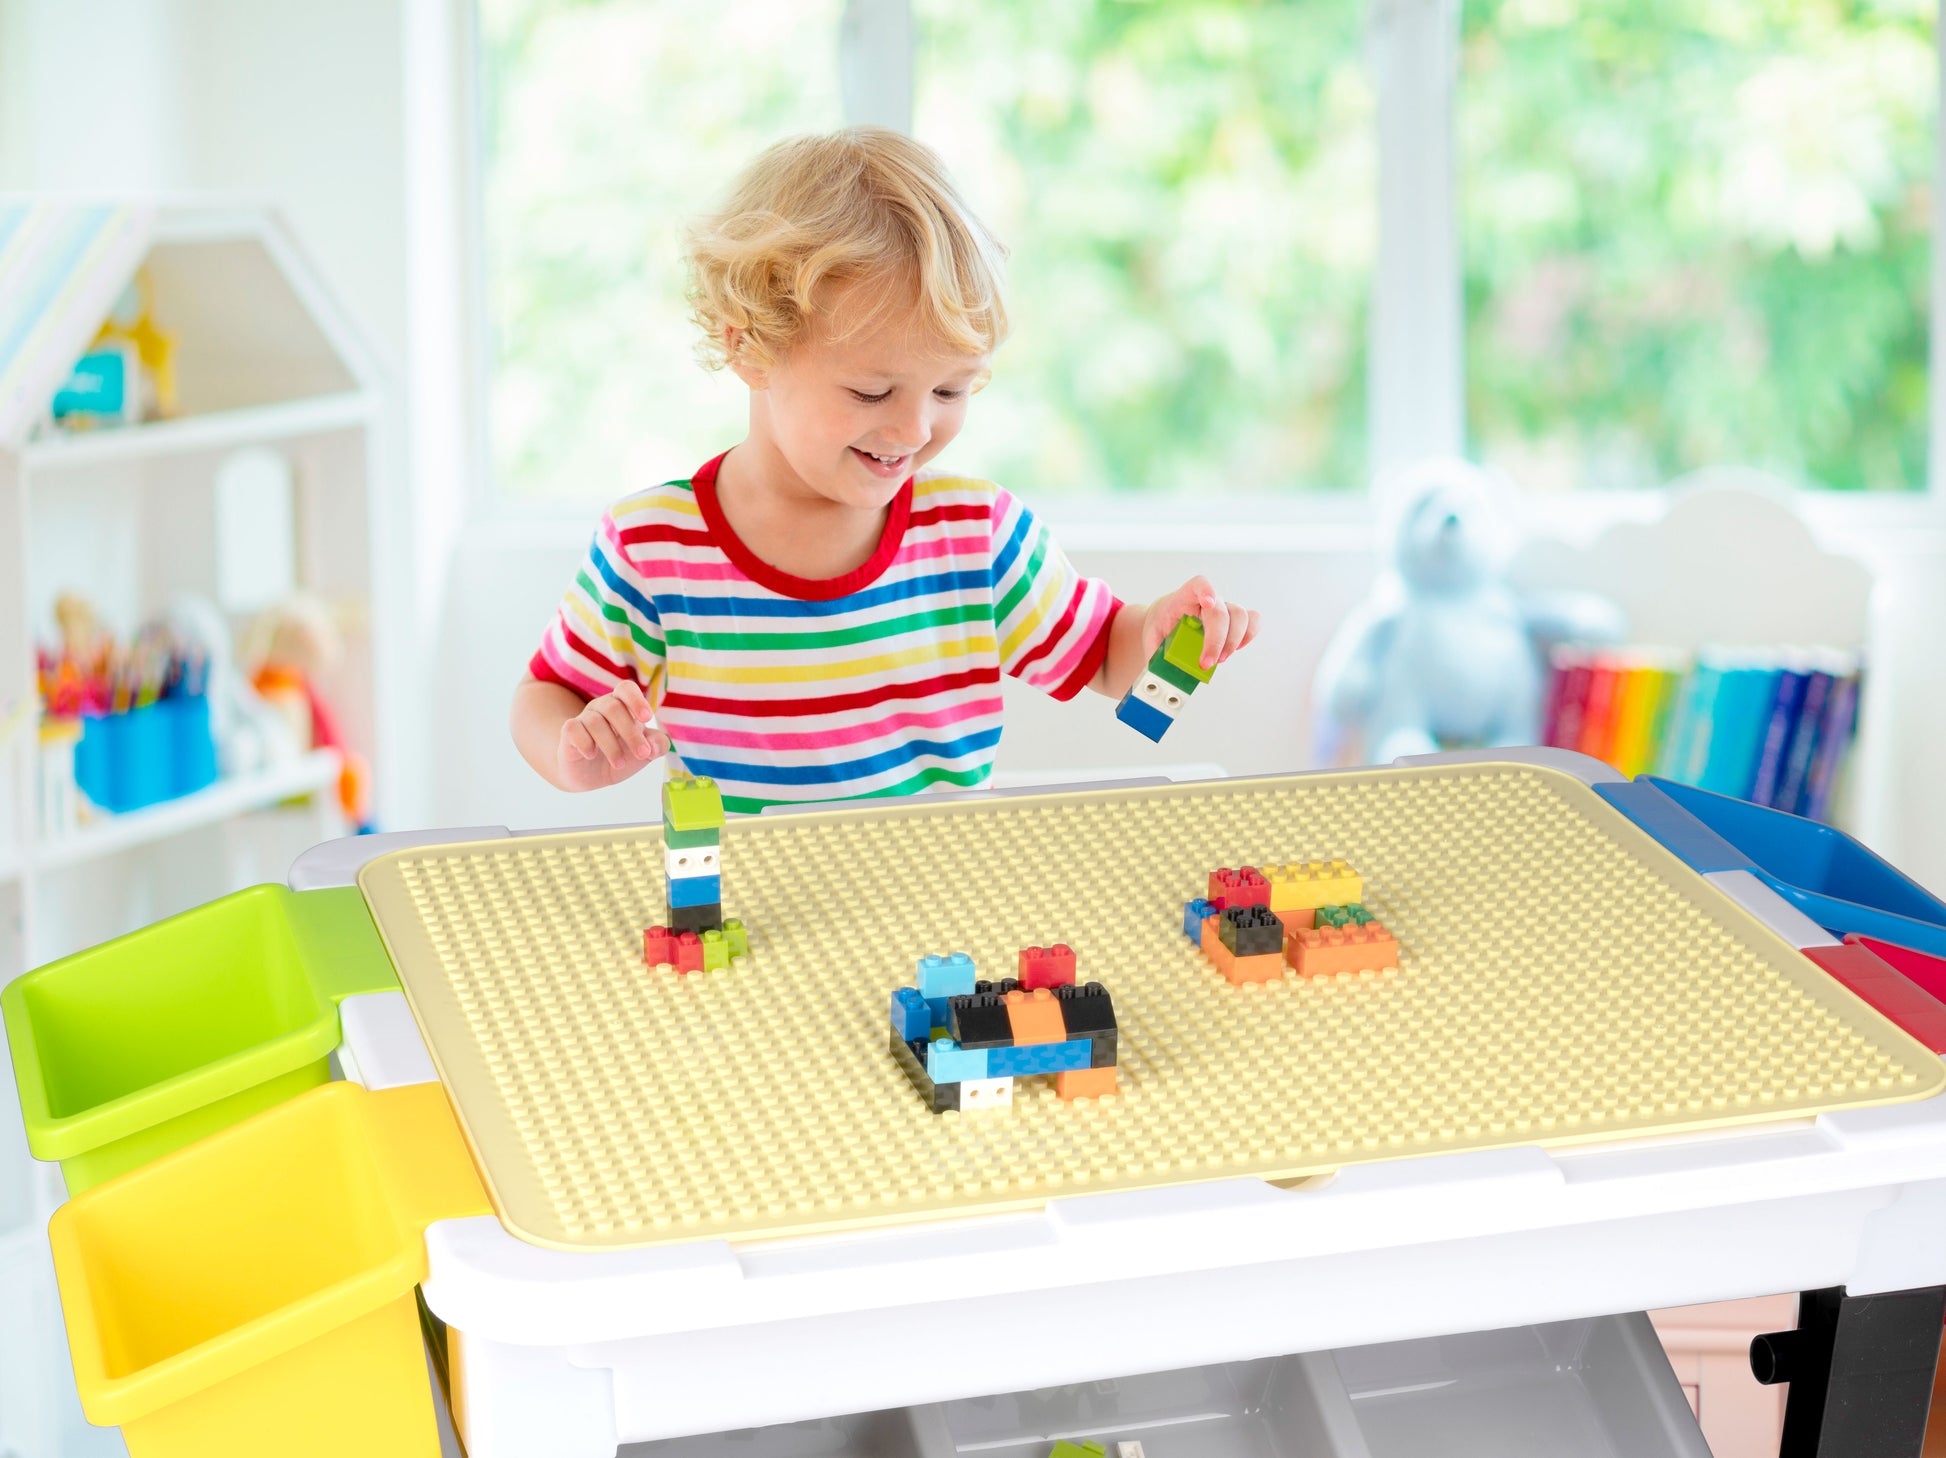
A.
pixel 882 466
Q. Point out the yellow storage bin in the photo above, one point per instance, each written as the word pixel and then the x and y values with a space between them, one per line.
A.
pixel 252 1293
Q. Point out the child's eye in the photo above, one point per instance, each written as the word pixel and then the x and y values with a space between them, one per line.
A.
pixel 946 394
pixel 861 396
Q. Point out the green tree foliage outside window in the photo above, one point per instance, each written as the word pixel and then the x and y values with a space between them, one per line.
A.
pixel 1696 233
pixel 609 124
pixel 1188 190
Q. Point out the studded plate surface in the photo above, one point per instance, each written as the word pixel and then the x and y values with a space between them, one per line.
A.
pixel 1561 979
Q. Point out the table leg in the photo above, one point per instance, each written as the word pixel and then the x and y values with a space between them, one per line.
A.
pixel 1860 1370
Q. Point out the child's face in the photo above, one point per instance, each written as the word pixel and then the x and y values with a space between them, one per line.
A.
pixel 856 414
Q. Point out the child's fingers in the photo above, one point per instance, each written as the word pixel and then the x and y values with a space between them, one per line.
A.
pixel 628 729
pixel 1215 614
pixel 577 743
pixel 659 744
pixel 608 744
pixel 628 693
pixel 1243 625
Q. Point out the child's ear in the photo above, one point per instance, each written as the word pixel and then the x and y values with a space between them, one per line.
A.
pixel 740 362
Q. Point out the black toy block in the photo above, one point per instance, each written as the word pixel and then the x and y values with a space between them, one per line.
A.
pixel 912 1058
pixel 699 919
pixel 1086 1011
pixel 980 1021
pixel 1251 931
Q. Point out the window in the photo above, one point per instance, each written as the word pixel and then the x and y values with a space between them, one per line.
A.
pixel 608 125
pixel 1189 194
pixel 1697 235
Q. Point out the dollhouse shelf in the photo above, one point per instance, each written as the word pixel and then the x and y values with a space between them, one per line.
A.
pixel 219 430
pixel 312 774
pixel 130 519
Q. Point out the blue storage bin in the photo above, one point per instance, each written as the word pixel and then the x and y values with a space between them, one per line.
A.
pixel 1826 874
pixel 142 772
pixel 94 760
pixel 192 748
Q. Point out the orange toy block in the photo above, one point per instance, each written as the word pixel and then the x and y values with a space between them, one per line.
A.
pixel 1297 919
pixel 1035 1017
pixel 1213 947
pixel 1263 967
pixel 1332 949
pixel 1085 1083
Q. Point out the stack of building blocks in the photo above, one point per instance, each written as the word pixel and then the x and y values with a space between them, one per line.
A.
pixel 1306 915
pixel 963 1041
pixel 696 937
pixel 1174 671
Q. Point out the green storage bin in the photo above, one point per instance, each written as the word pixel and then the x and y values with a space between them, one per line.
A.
pixel 151 1041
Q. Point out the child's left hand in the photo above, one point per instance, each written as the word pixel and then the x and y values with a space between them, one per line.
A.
pixel 1227 626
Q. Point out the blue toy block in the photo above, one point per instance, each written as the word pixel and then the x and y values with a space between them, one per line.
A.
pixel 941 1016
pixel 911 1018
pixel 1193 913
pixel 695 890
pixel 950 976
pixel 947 1062
pixel 1037 1058
pixel 1140 717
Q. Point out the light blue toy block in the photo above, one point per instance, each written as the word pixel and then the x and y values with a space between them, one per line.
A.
pixel 911 1018
pixel 947 1062
pixel 694 890
pixel 952 975
pixel 1193 913
pixel 1038 1058
pixel 1145 720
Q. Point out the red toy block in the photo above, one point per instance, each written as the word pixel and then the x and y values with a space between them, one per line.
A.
pixel 1329 950
pixel 1047 966
pixel 689 953
pixel 1885 988
pixel 659 946
pixel 1245 886
pixel 1085 1083
pixel 1263 967
pixel 1302 919
pixel 1035 1017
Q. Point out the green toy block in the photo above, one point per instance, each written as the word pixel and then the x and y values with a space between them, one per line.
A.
pixel 716 951
pixel 1352 915
pixel 687 839
pixel 690 804
pixel 736 938
pixel 1090 1449
pixel 1163 669
pixel 1184 648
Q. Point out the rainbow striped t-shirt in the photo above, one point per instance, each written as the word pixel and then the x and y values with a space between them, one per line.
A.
pixel 885 681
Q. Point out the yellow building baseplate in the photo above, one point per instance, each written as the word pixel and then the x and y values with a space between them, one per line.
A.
pixel 1561 979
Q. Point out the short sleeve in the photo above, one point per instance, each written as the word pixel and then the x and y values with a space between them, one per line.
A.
pixel 1051 621
pixel 606 631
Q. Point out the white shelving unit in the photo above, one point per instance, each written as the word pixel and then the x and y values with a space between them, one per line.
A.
pixel 265 358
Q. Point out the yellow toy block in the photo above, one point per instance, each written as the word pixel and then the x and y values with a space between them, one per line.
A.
pixel 1307 885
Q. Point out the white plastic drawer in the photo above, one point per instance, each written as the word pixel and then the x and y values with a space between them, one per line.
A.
pixel 1594 1388
pixel 869 1435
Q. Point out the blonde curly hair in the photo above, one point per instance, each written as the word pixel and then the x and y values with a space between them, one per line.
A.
pixel 862 204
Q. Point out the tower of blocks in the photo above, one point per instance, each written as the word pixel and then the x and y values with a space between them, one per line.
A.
pixel 695 938
pixel 963 1041
pixel 1307 916
pixel 1175 669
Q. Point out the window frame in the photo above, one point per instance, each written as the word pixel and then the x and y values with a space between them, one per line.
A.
pixel 1416 371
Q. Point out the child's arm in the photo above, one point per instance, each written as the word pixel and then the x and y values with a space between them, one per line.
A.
pixel 584 744
pixel 1138 631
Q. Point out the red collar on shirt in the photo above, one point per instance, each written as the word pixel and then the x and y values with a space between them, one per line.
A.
pixel 809 589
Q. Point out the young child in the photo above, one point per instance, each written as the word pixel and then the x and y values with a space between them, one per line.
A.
pixel 809 616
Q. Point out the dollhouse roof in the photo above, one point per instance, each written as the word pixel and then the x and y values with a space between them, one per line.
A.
pixel 254 322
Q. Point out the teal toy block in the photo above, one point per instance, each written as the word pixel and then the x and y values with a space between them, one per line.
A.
pixel 947 1062
pixel 952 975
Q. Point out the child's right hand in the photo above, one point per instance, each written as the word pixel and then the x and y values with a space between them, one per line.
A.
pixel 609 740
